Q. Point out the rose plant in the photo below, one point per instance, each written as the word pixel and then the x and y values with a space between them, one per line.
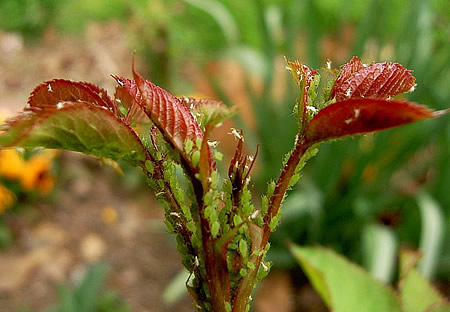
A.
pixel 222 234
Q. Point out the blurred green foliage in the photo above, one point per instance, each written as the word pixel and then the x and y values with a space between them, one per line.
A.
pixel 29 17
pixel 89 296
pixel 352 187
pixel 32 17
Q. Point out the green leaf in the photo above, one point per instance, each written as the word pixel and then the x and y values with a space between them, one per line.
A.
pixel 344 286
pixel 432 233
pixel 416 292
pixel 443 307
pixel 88 290
pixel 380 251
pixel 176 289
pixel 67 300
pixel 208 112
pixel 221 15
pixel 76 126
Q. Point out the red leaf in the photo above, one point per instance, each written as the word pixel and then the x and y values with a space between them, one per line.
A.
pixel 354 65
pixel 50 93
pixel 128 95
pixel 77 126
pixel 358 116
pixel 100 92
pixel 170 115
pixel 380 80
pixel 127 91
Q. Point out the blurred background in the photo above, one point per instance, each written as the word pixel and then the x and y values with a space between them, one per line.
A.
pixel 77 234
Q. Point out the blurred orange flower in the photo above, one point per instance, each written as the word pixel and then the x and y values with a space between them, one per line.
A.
pixel 7 198
pixel 33 174
pixel 12 164
pixel 36 174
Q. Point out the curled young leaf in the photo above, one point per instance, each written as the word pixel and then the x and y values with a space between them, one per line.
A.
pixel 304 76
pixel 74 126
pixel 240 165
pixel 354 65
pixel 127 98
pixel 358 116
pixel 379 80
pixel 52 93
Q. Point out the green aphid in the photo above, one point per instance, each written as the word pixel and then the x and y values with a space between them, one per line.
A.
pixel 275 221
pixel 188 145
pixel 271 188
pixel 123 110
pixel 210 213
pixel 208 199
pixel 247 209
pixel 237 220
pixel 218 156
pixel 215 228
pixel 195 158
pixel 198 143
pixel 191 226
pixel 264 204
pixel 264 270
pixel 214 179
pixel 243 248
pixel 149 167
pixel 294 180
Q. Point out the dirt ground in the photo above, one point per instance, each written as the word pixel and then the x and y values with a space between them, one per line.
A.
pixel 69 232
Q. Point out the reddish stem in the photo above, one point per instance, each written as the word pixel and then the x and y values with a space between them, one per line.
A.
pixel 248 282
pixel 282 185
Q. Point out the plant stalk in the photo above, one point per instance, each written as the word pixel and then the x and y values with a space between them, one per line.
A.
pixel 248 282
